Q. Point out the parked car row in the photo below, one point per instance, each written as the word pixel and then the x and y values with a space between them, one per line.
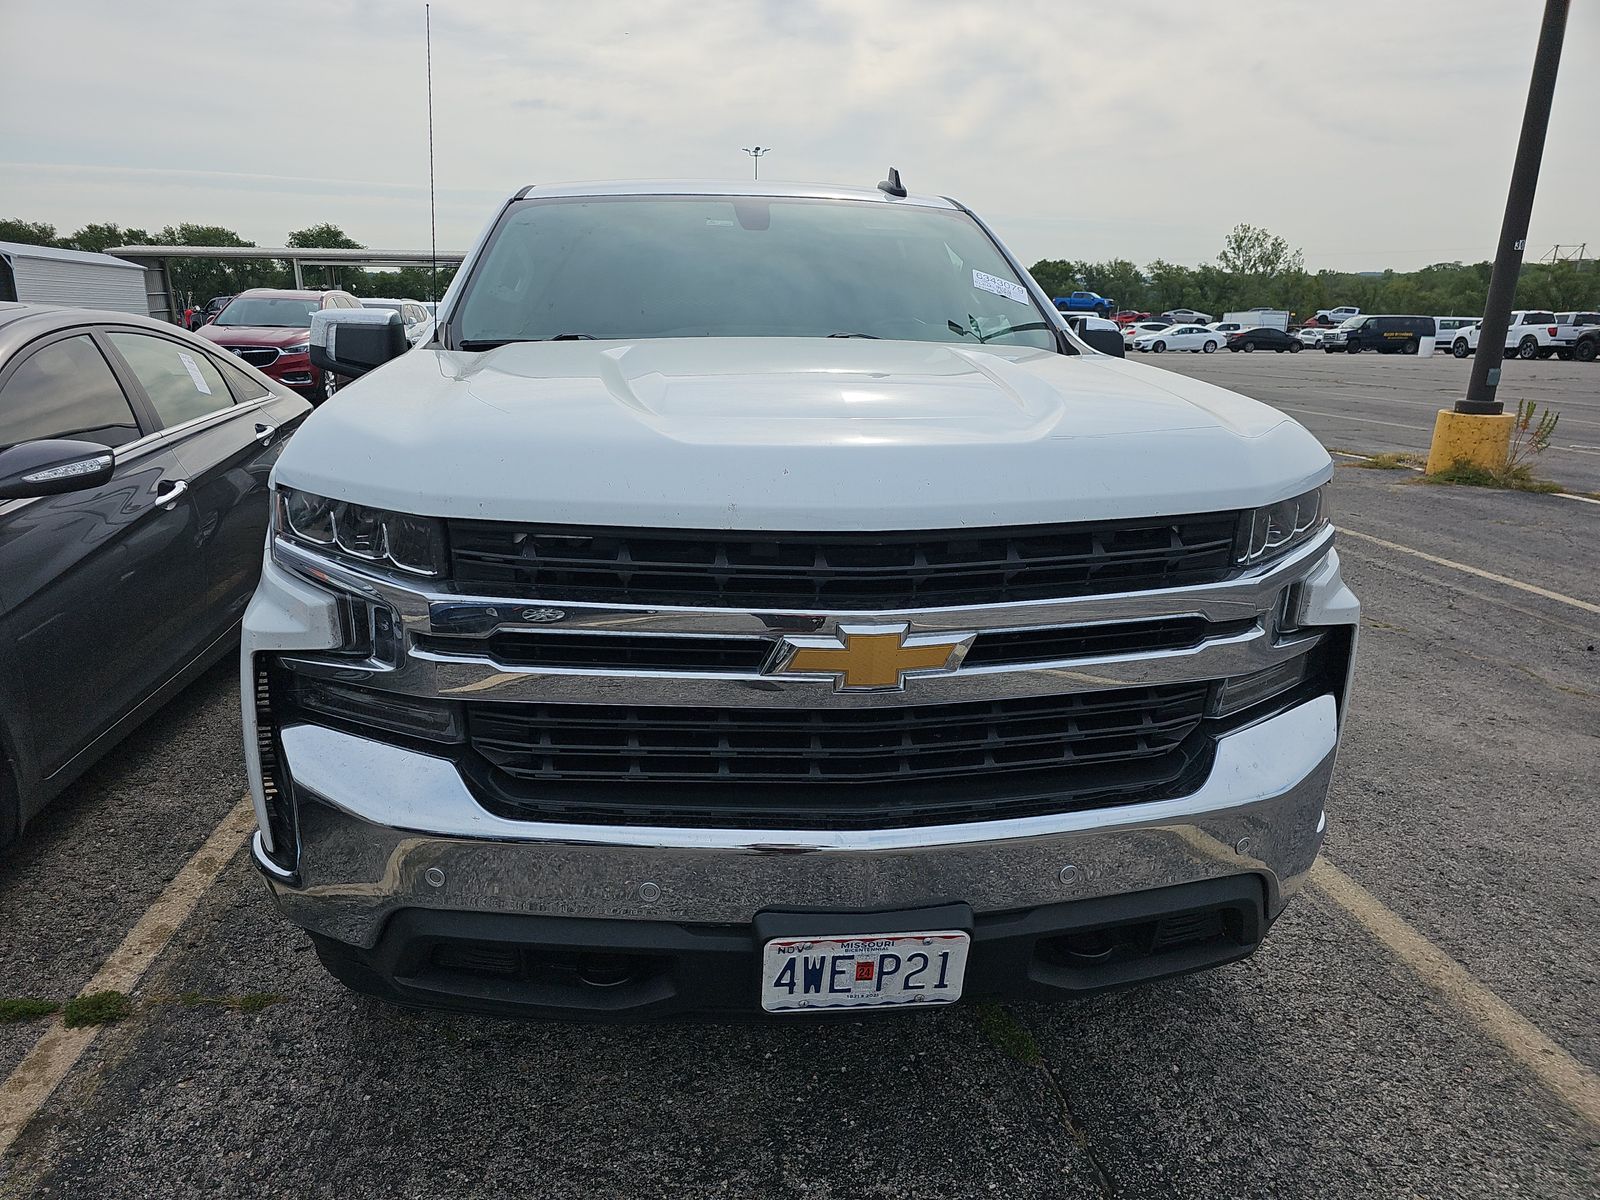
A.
pixel 269 328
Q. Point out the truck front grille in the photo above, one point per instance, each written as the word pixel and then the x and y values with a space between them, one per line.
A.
pixel 926 763
pixel 840 571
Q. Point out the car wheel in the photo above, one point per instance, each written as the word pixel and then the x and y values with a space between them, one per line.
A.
pixel 1353 348
pixel 1528 347
pixel 1408 347
pixel 1564 355
pixel 1545 352
pixel 1586 350
pixel 1210 347
pixel 1460 349
pixel 1158 348
pixel 329 385
pixel 1249 347
pixel 1294 347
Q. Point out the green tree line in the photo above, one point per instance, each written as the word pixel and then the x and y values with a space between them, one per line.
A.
pixel 196 280
pixel 1257 268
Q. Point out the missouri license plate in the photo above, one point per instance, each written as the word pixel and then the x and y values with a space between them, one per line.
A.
pixel 872 970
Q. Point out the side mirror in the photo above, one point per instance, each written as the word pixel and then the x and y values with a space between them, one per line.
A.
pixel 51 466
pixel 353 341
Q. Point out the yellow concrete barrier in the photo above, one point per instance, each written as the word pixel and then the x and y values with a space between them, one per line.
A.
pixel 1481 440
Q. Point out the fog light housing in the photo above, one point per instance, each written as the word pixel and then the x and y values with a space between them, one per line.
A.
pixel 1240 692
pixel 393 712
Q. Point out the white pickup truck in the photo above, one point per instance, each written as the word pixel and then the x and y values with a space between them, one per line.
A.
pixel 753 598
pixel 1533 333
pixel 1576 333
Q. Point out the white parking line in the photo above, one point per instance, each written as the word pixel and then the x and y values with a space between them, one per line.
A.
pixel 27 1088
pixel 1534 589
pixel 1559 1071
pixel 1313 412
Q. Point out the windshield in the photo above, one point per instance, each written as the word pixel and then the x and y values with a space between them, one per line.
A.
pixel 391 305
pixel 737 266
pixel 1354 323
pixel 269 312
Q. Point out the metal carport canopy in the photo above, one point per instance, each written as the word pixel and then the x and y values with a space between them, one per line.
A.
pixel 298 256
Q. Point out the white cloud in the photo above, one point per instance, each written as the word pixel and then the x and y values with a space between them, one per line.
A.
pixel 1376 135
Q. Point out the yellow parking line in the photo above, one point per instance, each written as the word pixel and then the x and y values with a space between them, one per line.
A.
pixel 1564 1075
pixel 1533 589
pixel 31 1083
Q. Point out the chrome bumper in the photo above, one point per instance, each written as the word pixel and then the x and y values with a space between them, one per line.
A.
pixel 384 829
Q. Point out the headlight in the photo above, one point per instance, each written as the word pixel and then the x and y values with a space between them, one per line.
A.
pixel 368 535
pixel 1266 533
pixel 302 348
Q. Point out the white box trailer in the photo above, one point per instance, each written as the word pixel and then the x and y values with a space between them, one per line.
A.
pixel 1260 318
pixel 46 275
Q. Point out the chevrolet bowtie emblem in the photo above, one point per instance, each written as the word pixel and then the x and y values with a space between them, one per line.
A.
pixel 869 658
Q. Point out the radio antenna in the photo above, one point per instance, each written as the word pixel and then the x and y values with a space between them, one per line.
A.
pixel 433 211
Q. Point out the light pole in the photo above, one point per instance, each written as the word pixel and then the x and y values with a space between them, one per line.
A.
pixel 755 152
pixel 1477 429
pixel 1480 398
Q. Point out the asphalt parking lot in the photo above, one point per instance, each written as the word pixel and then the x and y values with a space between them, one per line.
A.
pixel 1420 1024
pixel 1385 403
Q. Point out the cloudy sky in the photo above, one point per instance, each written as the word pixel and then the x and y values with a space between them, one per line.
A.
pixel 1372 134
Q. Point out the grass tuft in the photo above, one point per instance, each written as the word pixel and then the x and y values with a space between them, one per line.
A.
pixel 1007 1034
pixel 250 1002
pixel 97 1008
pixel 1390 462
pixel 1515 479
pixel 26 1008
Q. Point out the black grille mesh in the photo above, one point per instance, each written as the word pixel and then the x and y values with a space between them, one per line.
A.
pixel 647 744
pixel 840 571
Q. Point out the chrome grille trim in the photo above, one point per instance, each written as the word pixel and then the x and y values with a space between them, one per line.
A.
pixel 429 610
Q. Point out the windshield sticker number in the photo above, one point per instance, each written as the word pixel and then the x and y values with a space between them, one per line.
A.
pixel 193 368
pixel 1000 287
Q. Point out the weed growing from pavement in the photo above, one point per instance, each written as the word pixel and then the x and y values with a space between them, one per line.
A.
pixel 1007 1035
pixel 97 1008
pixel 250 1002
pixel 1389 462
pixel 1530 434
pixel 26 1008
pixel 1517 478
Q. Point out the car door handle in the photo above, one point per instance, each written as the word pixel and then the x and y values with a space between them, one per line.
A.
pixel 264 432
pixel 170 493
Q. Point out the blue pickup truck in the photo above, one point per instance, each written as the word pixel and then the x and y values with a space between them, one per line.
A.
pixel 1091 302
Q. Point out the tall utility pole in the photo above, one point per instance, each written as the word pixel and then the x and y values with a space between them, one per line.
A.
pixel 1480 399
pixel 755 152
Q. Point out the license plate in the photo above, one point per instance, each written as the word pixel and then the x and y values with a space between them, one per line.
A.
pixel 870 970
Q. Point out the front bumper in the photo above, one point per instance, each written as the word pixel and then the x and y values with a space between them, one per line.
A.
pixel 395 856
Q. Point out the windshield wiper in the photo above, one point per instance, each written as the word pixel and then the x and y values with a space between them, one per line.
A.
pixel 496 343
pixel 973 331
pixel 873 336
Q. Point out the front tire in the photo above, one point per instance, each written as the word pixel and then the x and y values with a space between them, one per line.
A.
pixel 1408 347
pixel 1209 348
pixel 1158 348
pixel 1249 347
pixel 1528 348
pixel 1585 351
pixel 1460 349
pixel 1294 347
pixel 1352 348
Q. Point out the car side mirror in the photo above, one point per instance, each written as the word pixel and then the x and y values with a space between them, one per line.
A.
pixel 51 466
pixel 353 341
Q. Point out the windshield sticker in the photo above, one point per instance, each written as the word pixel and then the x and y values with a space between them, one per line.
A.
pixel 193 368
pixel 1000 287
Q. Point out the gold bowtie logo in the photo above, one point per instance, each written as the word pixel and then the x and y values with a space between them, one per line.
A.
pixel 868 658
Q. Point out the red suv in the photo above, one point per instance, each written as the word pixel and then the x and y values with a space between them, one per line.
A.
pixel 269 328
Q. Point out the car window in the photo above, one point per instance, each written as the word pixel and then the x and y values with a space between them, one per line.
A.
pixel 66 390
pixel 182 383
pixel 243 386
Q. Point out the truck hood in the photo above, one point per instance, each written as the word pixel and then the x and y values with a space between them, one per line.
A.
pixel 795 434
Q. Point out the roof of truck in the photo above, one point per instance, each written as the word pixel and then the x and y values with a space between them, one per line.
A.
pixel 725 187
